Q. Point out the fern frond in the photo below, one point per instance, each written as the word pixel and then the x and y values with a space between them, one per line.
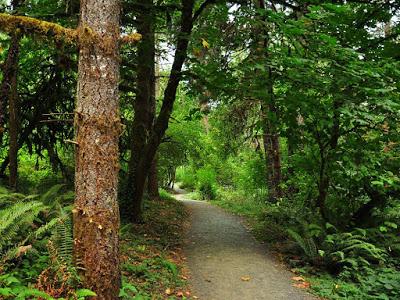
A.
pixel 15 217
pixel 50 196
pixel 62 239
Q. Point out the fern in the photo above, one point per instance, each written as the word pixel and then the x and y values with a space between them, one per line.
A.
pixel 50 197
pixel 307 244
pixel 17 217
pixel 62 239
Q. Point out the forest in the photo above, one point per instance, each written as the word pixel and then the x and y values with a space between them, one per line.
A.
pixel 144 143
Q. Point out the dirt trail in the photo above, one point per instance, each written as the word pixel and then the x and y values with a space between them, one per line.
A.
pixel 222 255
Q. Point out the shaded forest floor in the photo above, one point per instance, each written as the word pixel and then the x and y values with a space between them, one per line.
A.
pixel 151 254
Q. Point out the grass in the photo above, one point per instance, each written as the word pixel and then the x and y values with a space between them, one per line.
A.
pixel 151 254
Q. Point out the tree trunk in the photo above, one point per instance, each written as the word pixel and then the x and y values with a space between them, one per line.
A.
pixel 273 158
pixel 326 152
pixel 9 71
pixel 152 180
pixel 142 122
pixel 14 111
pixel 161 123
pixel 271 143
pixel 96 213
pixel 269 116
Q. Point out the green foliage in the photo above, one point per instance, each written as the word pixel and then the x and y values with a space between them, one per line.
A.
pixel 382 283
pixel 164 195
pixel 306 243
pixel 206 183
pixel 37 230
pixel 186 178
pixel 13 288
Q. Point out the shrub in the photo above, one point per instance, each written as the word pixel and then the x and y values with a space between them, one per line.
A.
pixel 206 183
pixel 186 178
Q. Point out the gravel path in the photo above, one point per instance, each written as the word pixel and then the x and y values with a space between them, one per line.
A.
pixel 227 263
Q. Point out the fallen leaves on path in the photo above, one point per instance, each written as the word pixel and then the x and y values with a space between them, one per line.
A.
pixel 298 278
pixel 302 285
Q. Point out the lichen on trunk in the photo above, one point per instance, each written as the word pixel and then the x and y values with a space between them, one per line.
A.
pixel 96 213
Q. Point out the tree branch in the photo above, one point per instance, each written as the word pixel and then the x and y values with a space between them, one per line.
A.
pixel 28 25
pixel 202 7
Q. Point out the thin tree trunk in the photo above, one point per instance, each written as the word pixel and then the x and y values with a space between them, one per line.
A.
pixel 269 116
pixel 273 159
pixel 14 112
pixel 96 213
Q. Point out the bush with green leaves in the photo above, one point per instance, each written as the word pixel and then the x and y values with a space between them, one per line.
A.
pixel 206 183
pixel 351 255
pixel 186 177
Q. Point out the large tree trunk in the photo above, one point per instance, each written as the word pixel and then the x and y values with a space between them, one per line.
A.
pixel 161 123
pixel 14 111
pixel 96 213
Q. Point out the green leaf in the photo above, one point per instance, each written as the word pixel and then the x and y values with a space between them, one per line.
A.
pixel 85 293
pixel 6 291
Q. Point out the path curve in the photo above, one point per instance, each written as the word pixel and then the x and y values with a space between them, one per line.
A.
pixel 222 254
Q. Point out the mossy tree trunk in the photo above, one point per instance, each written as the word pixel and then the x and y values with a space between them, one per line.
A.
pixel 96 213
pixel 152 180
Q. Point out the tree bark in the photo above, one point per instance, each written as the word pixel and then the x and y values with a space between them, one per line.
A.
pixel 13 53
pixel 143 120
pixel 96 213
pixel 152 180
pixel 272 156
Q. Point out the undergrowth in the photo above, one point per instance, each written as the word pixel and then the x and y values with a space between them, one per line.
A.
pixel 36 246
pixel 151 258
